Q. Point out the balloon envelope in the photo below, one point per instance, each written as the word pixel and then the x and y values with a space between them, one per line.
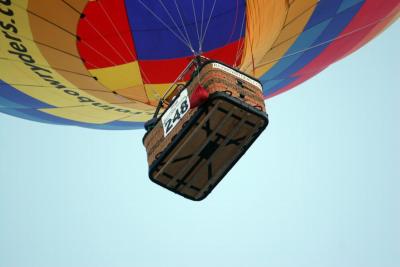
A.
pixel 104 64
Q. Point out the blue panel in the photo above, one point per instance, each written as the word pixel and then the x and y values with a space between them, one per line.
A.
pixel 348 3
pixel 325 9
pixel 150 23
pixel 316 38
pixel 11 97
pixel 5 103
pixel 267 85
pixel 39 116
pixel 305 40
pixel 337 25
pixel 27 114
pixel 18 104
pixel 276 87
pixel 122 125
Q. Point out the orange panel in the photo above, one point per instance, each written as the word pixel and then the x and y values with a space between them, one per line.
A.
pixel 265 19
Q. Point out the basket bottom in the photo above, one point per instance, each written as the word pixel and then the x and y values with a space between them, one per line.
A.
pixel 208 146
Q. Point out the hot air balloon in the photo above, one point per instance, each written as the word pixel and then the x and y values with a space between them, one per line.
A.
pixel 106 64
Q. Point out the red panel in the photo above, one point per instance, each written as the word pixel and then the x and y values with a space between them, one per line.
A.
pixel 370 14
pixel 105 34
pixel 228 53
pixel 166 71
pixel 376 30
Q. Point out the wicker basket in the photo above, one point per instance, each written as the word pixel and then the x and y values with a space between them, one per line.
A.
pixel 209 139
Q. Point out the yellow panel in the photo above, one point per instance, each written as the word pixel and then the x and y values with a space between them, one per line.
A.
pixel 156 91
pixel 27 69
pixel 275 54
pixel 262 70
pixel 22 63
pixel 298 7
pixel 78 4
pixel 56 11
pixel 285 40
pixel 90 114
pixel 144 118
pixel 265 19
pixel 58 41
pixel 295 28
pixel 136 92
pixel 138 105
pixel 119 77
pixel 110 97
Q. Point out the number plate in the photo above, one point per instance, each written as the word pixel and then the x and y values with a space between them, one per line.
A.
pixel 175 112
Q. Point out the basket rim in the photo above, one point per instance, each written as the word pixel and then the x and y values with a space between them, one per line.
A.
pixel 190 81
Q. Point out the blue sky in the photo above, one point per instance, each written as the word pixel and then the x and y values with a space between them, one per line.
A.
pixel 319 188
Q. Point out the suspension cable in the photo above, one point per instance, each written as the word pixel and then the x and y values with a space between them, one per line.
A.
pixel 165 24
pixel 184 27
pixel 197 28
pixel 208 22
pixel 176 25
pixel 115 29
